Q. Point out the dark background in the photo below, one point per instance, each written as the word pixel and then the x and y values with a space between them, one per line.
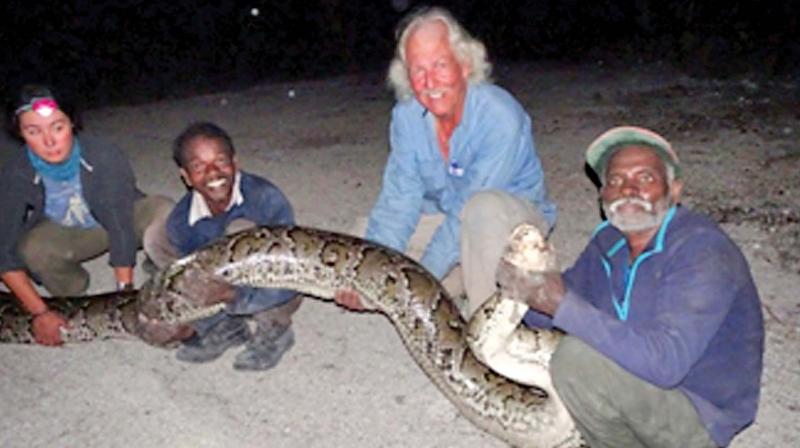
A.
pixel 131 51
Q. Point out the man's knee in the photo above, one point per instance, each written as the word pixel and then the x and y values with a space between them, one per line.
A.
pixel 497 209
pixel 575 365
pixel 239 225
pixel 484 205
pixel 567 357
pixel 150 221
pixel 158 248
pixel 156 244
pixel 151 211
pixel 161 205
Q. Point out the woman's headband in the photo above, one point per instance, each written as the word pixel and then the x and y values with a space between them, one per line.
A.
pixel 42 105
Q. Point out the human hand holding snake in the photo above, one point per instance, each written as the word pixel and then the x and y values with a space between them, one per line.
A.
pixel 543 291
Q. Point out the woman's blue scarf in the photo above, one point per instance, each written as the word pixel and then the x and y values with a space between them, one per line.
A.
pixel 63 171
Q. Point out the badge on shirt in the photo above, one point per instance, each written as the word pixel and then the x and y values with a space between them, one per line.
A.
pixel 455 170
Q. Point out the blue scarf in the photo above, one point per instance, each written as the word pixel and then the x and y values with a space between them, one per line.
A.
pixel 63 171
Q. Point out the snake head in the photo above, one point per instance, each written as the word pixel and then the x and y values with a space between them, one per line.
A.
pixel 181 294
pixel 162 334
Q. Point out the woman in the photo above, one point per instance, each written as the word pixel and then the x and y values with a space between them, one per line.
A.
pixel 65 201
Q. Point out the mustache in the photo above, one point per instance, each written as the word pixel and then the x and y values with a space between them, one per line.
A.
pixel 614 206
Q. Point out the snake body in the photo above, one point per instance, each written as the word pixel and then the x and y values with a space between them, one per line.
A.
pixel 319 263
pixel 101 316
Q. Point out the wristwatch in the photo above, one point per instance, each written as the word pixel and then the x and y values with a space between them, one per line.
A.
pixel 124 286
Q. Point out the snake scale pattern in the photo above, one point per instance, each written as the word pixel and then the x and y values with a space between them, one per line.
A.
pixel 318 263
pixel 101 316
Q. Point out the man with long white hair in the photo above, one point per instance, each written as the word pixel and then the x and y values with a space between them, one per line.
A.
pixel 665 333
pixel 463 170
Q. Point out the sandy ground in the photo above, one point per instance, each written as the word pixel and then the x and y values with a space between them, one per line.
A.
pixel 349 381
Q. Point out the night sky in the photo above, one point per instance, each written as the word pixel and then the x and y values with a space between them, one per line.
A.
pixel 130 51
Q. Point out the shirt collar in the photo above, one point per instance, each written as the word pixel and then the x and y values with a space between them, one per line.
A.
pixel 198 209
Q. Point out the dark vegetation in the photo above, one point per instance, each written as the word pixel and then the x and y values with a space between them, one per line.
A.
pixel 129 51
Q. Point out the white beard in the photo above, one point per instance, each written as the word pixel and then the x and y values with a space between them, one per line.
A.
pixel 650 215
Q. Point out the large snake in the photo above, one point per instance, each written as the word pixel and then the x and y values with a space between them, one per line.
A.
pixel 518 405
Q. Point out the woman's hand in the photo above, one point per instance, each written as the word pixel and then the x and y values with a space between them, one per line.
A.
pixel 47 327
pixel 45 323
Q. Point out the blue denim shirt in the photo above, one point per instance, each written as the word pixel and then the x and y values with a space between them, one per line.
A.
pixel 264 204
pixel 492 148
pixel 694 320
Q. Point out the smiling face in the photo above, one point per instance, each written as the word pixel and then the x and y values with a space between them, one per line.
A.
pixel 438 78
pixel 49 135
pixel 637 194
pixel 210 170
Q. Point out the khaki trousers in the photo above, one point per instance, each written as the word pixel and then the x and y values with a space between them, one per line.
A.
pixel 54 253
pixel 613 408
pixel 487 220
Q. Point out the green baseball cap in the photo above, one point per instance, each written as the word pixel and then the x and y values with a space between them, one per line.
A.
pixel 604 146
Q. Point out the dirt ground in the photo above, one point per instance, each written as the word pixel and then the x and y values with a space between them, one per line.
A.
pixel 349 381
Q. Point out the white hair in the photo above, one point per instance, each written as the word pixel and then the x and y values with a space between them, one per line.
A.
pixel 467 49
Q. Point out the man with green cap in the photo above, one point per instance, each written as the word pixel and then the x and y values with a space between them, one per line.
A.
pixel 665 335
